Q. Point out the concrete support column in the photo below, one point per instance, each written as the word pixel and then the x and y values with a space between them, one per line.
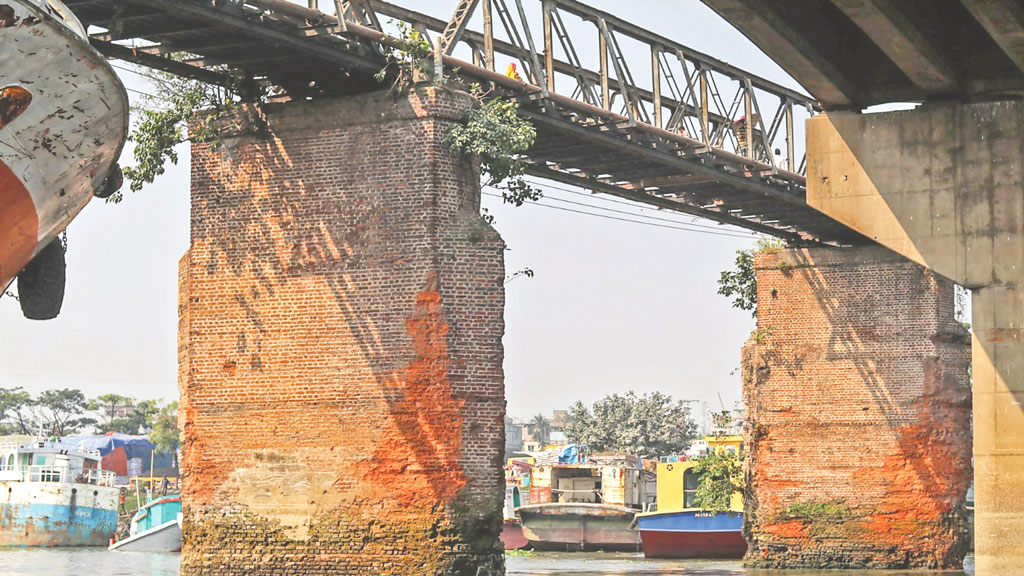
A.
pixel 998 353
pixel 342 397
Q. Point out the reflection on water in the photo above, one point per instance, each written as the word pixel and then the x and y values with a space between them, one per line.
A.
pixel 99 561
pixel 80 561
pixel 575 564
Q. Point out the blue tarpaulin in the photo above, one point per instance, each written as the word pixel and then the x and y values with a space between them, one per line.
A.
pixel 134 446
pixel 571 454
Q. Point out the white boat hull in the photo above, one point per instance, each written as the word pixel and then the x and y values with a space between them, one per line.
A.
pixel 63 122
pixel 164 538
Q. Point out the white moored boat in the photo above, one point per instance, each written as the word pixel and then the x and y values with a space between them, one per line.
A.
pixel 54 494
pixel 63 122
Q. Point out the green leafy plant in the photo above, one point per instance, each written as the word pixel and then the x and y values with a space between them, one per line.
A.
pixel 835 512
pixel 494 132
pixel 719 476
pixel 405 60
pixel 740 283
pixel 163 124
pixel 761 335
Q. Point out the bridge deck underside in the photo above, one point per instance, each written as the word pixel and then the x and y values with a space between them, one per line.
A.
pixel 244 45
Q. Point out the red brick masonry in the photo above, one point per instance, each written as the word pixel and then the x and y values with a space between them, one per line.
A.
pixel 858 407
pixel 340 345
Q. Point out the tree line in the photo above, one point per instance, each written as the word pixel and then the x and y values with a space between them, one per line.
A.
pixel 68 411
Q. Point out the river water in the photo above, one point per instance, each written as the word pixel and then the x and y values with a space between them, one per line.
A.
pixel 102 562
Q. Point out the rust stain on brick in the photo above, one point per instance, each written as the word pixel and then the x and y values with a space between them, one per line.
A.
pixel 417 457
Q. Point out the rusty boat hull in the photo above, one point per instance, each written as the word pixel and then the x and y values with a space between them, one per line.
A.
pixel 579 527
pixel 56 514
pixel 63 123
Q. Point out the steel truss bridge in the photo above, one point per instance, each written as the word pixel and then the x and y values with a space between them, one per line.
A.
pixel 672 128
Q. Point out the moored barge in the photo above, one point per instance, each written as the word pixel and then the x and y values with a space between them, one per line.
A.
pixel 55 495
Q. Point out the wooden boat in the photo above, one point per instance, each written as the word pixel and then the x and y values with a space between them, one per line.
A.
pixel 156 527
pixel 55 495
pixel 587 505
pixel 63 122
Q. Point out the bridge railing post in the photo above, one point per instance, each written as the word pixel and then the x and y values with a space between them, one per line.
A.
pixel 488 35
pixel 656 82
pixel 548 7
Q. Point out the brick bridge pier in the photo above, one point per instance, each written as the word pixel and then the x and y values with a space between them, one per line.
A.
pixel 340 346
pixel 341 367
pixel 858 409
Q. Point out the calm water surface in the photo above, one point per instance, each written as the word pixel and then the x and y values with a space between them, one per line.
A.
pixel 102 562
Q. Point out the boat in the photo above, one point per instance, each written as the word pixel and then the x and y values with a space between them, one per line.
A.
pixel 55 495
pixel 512 537
pixel 692 533
pixel 155 527
pixel 517 493
pixel 587 504
pixel 678 529
pixel 63 123
pixel 580 527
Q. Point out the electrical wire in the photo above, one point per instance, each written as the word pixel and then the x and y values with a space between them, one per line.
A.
pixel 637 204
pixel 640 222
pixel 670 220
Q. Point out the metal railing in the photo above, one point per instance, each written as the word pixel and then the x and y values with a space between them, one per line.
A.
pixel 10 447
pixel 57 474
pixel 676 88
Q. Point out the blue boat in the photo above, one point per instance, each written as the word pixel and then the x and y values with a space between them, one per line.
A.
pixel 54 494
pixel 156 527
pixel 692 533
pixel 681 530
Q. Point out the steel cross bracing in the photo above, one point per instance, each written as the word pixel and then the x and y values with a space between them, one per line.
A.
pixel 675 128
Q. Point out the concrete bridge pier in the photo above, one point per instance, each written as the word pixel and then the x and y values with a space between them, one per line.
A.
pixel 942 185
pixel 340 346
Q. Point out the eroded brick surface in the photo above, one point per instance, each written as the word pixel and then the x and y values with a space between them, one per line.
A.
pixel 341 357
pixel 858 406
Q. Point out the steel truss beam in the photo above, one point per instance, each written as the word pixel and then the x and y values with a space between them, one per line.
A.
pixel 710 155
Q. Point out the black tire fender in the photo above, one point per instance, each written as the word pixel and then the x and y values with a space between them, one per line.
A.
pixel 41 283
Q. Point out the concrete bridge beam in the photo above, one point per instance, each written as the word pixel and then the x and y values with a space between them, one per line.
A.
pixel 340 346
pixel 942 185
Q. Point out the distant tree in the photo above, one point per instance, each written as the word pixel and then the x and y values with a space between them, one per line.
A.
pixel 165 429
pixel 540 429
pixel 16 416
pixel 651 425
pixel 138 420
pixel 63 411
pixel 107 406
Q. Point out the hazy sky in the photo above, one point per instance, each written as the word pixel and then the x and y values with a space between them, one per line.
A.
pixel 613 306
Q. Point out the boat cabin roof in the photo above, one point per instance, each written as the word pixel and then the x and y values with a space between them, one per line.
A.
pixel 49 447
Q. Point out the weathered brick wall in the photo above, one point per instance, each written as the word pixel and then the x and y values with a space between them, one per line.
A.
pixel 858 406
pixel 341 324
